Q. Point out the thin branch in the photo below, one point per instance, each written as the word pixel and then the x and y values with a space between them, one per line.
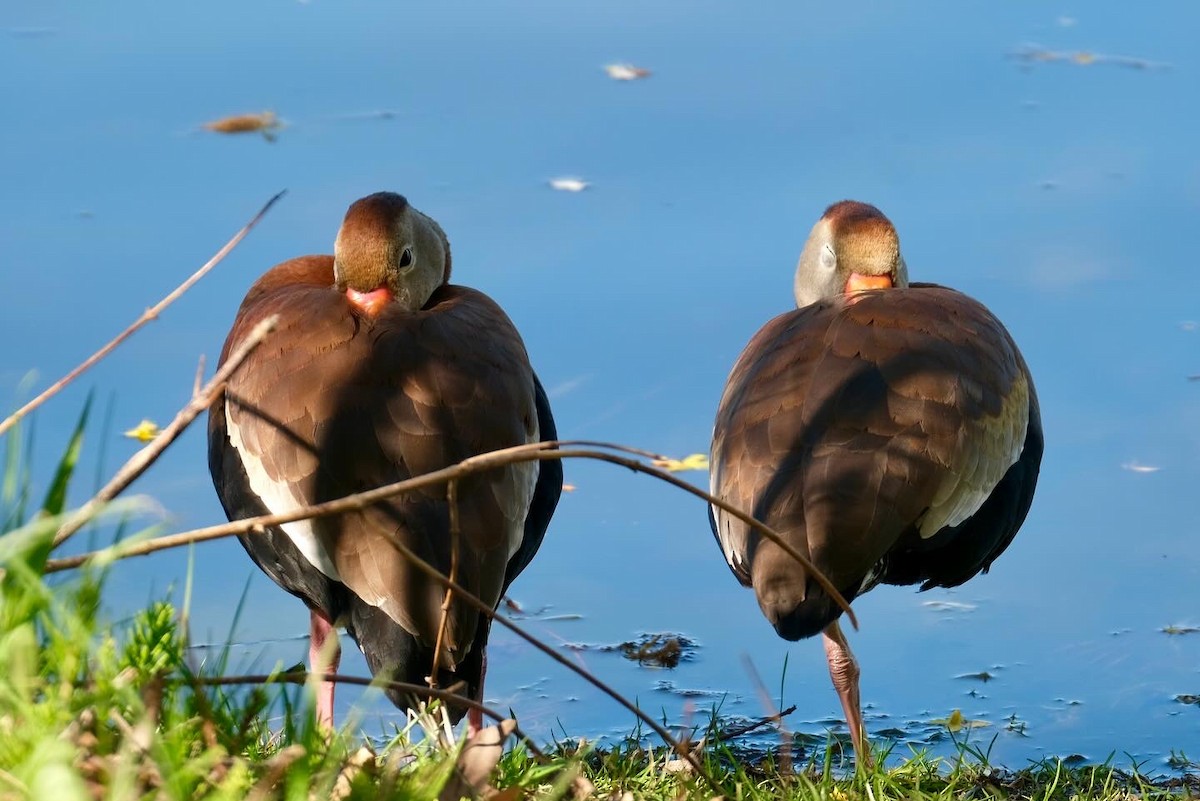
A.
pixel 302 677
pixel 764 697
pixel 141 460
pixel 539 451
pixel 744 729
pixel 148 315
pixel 452 500
pixel 472 600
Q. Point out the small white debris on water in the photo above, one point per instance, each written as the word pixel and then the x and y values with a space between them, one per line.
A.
pixel 565 184
pixel 1137 467
pixel 626 72
pixel 948 606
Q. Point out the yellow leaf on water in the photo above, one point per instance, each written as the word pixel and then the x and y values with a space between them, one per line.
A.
pixel 1084 58
pixel 568 487
pixel 265 121
pixel 696 461
pixel 956 721
pixel 144 431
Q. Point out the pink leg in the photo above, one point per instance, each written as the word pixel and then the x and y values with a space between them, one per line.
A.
pixel 474 716
pixel 843 669
pixel 324 656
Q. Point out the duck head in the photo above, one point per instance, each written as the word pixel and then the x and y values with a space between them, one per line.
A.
pixel 852 248
pixel 388 253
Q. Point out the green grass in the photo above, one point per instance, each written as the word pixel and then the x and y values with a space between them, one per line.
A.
pixel 89 710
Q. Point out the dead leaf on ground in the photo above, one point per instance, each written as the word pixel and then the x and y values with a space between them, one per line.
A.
pixel 476 761
pixel 143 431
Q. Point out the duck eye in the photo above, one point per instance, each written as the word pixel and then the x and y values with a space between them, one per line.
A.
pixel 828 257
pixel 406 258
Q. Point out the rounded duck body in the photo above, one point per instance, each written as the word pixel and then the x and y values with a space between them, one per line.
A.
pixel 380 370
pixel 890 431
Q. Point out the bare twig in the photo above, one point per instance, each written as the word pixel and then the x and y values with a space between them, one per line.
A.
pixel 302 677
pixel 739 731
pixel 141 460
pixel 452 500
pixel 472 600
pixel 764 697
pixel 540 451
pixel 148 315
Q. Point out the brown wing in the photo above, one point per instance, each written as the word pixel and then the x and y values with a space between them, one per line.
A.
pixel 336 403
pixel 855 426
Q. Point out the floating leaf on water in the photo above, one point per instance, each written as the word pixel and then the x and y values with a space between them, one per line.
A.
pixel 696 461
pixel 1188 699
pixel 982 675
pixel 264 122
pixel 1032 54
pixel 626 72
pixel 568 487
pixel 143 431
pixel 1180 630
pixel 569 184
pixel 956 721
pixel 1137 467
pixel 948 606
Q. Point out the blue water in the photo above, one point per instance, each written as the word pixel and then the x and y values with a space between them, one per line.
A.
pixel 1061 194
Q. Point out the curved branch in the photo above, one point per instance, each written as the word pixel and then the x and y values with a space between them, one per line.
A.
pixel 538 451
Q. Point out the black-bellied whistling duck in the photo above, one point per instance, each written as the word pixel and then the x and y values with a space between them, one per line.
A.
pixel 888 430
pixel 380 370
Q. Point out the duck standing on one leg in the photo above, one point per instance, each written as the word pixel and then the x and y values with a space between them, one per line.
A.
pixel 889 430
pixel 380 370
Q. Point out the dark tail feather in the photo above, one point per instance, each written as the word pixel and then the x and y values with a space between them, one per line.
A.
pixel 795 605
pixel 393 652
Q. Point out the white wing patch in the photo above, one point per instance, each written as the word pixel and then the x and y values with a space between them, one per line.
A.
pixel 724 521
pixel 986 449
pixel 522 479
pixel 279 499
